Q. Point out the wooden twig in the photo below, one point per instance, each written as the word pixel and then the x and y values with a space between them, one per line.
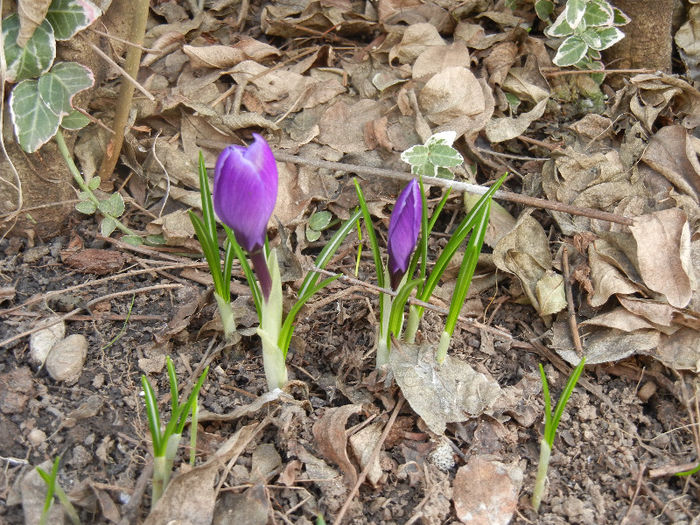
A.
pixel 573 325
pixel 72 313
pixel 377 448
pixel 459 186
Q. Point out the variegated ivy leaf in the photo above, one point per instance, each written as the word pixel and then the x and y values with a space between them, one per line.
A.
pixel 35 57
pixel 58 86
pixel 33 121
pixel 544 9
pixel 598 13
pixel 444 137
pixel 107 226
pixel 591 37
pixel 559 28
pixel 574 11
pixel 570 52
pixel 620 18
pixel 609 36
pixel 70 16
pixel 31 15
pixel 435 154
pixel 417 157
pixel 74 121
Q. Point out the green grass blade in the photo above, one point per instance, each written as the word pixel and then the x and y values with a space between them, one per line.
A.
pixel 191 401
pixel 397 307
pixel 285 337
pixel 371 235
pixel 328 252
pixel 467 268
pixel 152 415
pixel 207 202
pixel 438 210
pixel 564 397
pixel 229 256
pixel 50 480
pixel 172 379
pixel 547 406
pixel 210 250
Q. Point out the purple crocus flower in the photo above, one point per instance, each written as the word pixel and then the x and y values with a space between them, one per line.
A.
pixel 404 227
pixel 245 192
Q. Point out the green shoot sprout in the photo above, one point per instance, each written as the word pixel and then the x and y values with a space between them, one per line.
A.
pixel 53 488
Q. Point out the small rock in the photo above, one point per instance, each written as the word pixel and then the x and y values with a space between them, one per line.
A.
pixel 16 388
pixel 36 437
pixel 32 255
pixel 66 360
pixel 42 341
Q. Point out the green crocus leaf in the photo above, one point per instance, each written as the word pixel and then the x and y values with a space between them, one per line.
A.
pixel 70 16
pixel 35 57
pixel 570 52
pixel 75 120
pixel 34 122
pixel 58 86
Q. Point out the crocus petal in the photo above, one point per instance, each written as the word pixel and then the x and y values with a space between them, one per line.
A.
pixel 404 227
pixel 245 191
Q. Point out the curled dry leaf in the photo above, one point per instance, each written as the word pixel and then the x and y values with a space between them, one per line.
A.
pixel 438 58
pixel 441 394
pixel 485 492
pixel 680 350
pixel 607 279
pixel 363 444
pixel 416 39
pixel 332 441
pixel 31 15
pixel 506 128
pixel 450 94
pixel 663 252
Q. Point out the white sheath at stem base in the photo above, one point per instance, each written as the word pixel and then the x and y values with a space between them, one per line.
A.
pixel 412 324
pixel 443 346
pixel 228 322
pixel 269 331
pixel 383 347
pixel 542 467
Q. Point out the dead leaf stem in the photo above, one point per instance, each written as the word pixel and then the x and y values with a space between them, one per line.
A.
pixel 377 448
pixel 459 186
pixel 570 302
pixel 126 93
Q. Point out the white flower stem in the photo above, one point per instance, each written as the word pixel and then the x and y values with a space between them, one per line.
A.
pixel 383 347
pixel 226 312
pixel 542 467
pixel 443 346
pixel 412 324
pixel 270 328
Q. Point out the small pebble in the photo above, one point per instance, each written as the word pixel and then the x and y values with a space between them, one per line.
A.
pixel 66 360
pixel 36 437
pixel 42 341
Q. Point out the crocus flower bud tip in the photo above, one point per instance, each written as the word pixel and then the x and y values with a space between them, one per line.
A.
pixel 245 191
pixel 404 227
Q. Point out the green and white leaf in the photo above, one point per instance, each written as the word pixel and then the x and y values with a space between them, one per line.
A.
pixel 94 182
pixel 320 220
pixel 445 156
pixel 70 16
pixel 544 9
pixel 591 37
pixel 559 28
pixel 444 173
pixel 107 226
pixel 570 52
pixel 417 157
pixel 609 36
pixel 33 121
pixel 446 138
pixel 574 11
pixel 620 18
pixel 74 121
pixel 113 205
pixel 311 234
pixel 134 240
pixel 598 13
pixel 35 57
pixel 58 86
pixel 86 206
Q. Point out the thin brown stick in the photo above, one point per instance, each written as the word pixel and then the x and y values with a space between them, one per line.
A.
pixel 377 448
pixel 640 480
pixel 412 300
pixel 459 186
pixel 573 325
pixel 126 92
pixel 72 313
pixel 556 72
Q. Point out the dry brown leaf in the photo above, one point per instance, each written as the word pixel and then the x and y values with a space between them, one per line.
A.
pixel 437 58
pixel 673 152
pixel 688 41
pixel 31 15
pixel 549 291
pixel 331 438
pixel 653 311
pixel 485 492
pixel 416 39
pixel 342 125
pixel 680 350
pixel 441 394
pixel 363 444
pixel 191 496
pixel 607 279
pixel 506 128
pixel 663 252
pixel 450 94
pixel 214 56
pixel 621 319
pixel 499 61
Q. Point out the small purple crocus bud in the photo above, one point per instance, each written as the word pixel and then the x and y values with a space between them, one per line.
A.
pixel 245 192
pixel 404 227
